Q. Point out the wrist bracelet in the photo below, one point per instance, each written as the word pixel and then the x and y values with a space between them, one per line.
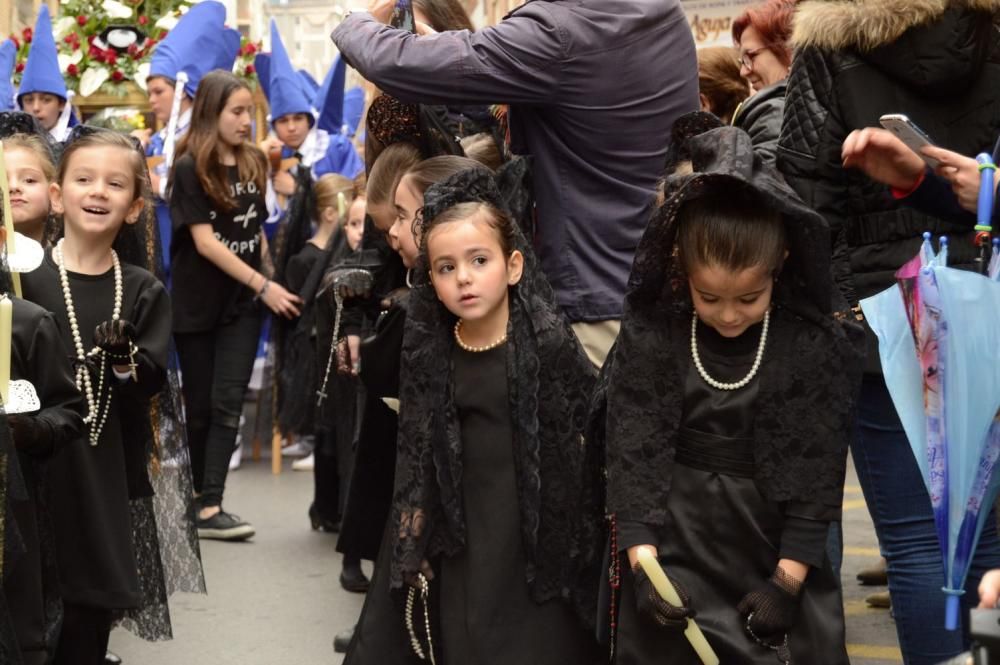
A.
pixel 263 290
pixel 249 283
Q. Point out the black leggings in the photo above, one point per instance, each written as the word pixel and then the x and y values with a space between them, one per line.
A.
pixel 215 371
pixel 84 636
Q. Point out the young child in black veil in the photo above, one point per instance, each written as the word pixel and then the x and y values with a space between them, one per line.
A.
pixel 114 322
pixel 30 583
pixel 490 493
pixel 729 397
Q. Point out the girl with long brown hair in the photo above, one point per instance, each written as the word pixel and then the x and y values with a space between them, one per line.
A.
pixel 218 279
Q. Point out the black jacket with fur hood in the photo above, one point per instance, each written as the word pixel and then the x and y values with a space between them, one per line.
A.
pixel 937 61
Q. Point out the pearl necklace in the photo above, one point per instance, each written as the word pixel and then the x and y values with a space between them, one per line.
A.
pixel 719 385
pixel 475 349
pixel 95 416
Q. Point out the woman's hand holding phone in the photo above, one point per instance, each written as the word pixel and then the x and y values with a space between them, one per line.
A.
pixel 883 157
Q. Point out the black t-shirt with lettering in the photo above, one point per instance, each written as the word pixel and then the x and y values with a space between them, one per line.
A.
pixel 203 296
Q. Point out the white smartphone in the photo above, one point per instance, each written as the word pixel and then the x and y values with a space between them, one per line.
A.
pixel 908 132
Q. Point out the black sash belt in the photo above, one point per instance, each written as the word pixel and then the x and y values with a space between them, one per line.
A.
pixel 708 452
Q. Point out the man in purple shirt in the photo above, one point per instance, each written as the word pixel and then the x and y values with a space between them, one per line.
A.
pixel 594 87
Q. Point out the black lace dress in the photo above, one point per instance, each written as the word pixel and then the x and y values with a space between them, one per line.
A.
pixel 722 538
pixel 487 614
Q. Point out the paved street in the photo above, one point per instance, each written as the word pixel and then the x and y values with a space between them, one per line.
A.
pixel 276 599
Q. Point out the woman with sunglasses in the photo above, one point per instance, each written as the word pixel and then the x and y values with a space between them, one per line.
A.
pixel 762 34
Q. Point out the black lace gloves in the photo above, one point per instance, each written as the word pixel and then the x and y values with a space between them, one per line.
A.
pixel 115 338
pixel 658 611
pixel 772 608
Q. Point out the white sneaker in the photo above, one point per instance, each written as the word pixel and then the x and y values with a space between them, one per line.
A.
pixel 305 464
pixel 236 459
pixel 298 448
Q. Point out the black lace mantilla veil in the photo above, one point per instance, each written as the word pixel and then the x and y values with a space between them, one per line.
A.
pixel 163 513
pixel 811 369
pixel 550 382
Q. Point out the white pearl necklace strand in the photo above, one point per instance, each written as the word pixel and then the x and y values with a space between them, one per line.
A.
pixel 475 349
pixel 719 385
pixel 95 416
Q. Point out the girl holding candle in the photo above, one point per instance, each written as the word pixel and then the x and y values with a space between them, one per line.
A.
pixel 490 497
pixel 114 320
pixel 218 281
pixel 729 398
pixel 31 349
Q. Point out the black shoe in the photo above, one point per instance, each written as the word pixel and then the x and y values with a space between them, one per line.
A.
pixel 320 523
pixel 343 640
pixel 224 526
pixel 353 579
pixel 112 659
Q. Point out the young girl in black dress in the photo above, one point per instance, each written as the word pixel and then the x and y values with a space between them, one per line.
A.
pixel 30 584
pixel 729 398
pixel 114 321
pixel 217 272
pixel 490 499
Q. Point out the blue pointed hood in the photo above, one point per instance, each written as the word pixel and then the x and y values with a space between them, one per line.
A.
pixel 309 85
pixel 330 99
pixel 198 44
pixel 8 57
pixel 286 91
pixel 41 71
pixel 354 107
pixel 262 63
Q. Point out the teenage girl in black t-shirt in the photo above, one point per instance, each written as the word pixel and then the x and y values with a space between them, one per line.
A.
pixel 217 206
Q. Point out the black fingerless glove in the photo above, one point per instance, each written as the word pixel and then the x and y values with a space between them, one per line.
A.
pixel 115 338
pixel 772 608
pixel 655 609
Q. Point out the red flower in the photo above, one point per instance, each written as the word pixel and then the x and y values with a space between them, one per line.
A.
pixel 27 34
pixel 133 51
pixel 250 70
pixel 19 68
pixel 251 48
pixel 111 56
pixel 90 39
pixel 96 53
pixel 117 75
pixel 81 20
pixel 143 20
pixel 72 70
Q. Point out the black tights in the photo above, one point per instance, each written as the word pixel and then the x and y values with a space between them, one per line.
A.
pixel 84 636
pixel 215 370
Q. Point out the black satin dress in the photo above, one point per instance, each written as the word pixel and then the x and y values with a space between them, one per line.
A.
pixel 722 537
pixel 487 614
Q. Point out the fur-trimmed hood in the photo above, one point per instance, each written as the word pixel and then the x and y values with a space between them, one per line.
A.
pixel 867 24
pixel 937 46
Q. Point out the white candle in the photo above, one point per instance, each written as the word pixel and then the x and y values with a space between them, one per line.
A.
pixel 6 320
pixel 666 590
pixel 8 222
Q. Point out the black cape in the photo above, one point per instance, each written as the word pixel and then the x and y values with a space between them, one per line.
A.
pixel 807 391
